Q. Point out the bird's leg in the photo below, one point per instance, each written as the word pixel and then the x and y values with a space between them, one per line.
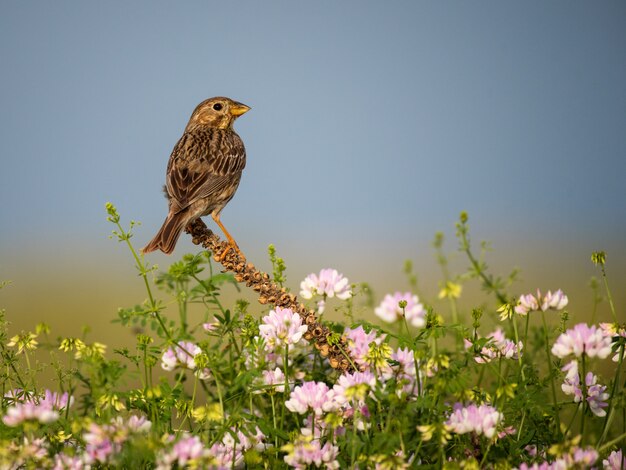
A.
pixel 231 241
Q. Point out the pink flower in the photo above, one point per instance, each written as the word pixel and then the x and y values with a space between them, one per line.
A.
pixel 580 340
pixel 359 343
pixel 498 346
pixel 614 331
pixel 614 461
pixel 66 462
pixel 281 328
pixel 581 458
pixel 29 408
pixel 528 302
pixel 353 388
pixel 329 283
pixel 273 380
pixel 305 452
pixel 389 310
pixel 209 327
pixel 104 442
pixel 186 449
pixel 315 396
pixel 481 419
pixel 404 372
pixel 596 394
pixel 183 355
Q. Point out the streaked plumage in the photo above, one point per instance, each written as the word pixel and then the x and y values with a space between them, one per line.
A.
pixel 204 170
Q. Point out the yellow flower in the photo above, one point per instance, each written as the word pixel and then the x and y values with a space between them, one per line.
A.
pixel 450 290
pixel 24 342
pixel 506 311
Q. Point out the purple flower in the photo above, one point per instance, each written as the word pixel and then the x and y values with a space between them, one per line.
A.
pixel 43 409
pixel 596 394
pixel 614 461
pixel 329 283
pixel 389 310
pixel 306 451
pixel 280 328
pixel 580 340
pixel 315 396
pixel 482 419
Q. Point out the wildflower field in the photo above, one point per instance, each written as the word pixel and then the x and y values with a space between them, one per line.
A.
pixel 278 385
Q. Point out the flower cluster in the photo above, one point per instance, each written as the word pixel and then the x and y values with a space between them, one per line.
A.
pixel 582 339
pixel 190 451
pixel 596 394
pixel 183 355
pixel 104 442
pixel 480 419
pixel 529 302
pixel 306 451
pixel 390 310
pixel 26 407
pixel 497 347
pixel 281 328
pixel 328 283
pixel 575 458
pixel 614 331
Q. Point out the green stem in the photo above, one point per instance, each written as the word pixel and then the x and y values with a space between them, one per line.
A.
pixel 552 386
pixel 611 410
pixel 583 387
pixel 519 353
pixel 608 293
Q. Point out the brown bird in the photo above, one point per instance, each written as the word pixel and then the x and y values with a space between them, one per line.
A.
pixel 203 172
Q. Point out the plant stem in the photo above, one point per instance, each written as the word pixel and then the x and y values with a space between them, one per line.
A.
pixel 552 386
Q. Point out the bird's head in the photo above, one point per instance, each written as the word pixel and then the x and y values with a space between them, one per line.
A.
pixel 218 112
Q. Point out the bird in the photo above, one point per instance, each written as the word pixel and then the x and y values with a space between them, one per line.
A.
pixel 203 172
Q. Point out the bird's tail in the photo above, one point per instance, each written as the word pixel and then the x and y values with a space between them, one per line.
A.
pixel 165 240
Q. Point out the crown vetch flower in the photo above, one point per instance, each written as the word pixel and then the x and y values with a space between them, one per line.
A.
pixel 44 409
pixel 596 394
pixel 482 419
pixel 315 396
pixel 328 283
pixel 281 327
pixel 614 331
pixel 184 355
pixel 529 302
pixel 582 339
pixel 389 310
pixel 498 346
pixel 353 387
pixel 359 343
pixel 306 451
pixel 614 461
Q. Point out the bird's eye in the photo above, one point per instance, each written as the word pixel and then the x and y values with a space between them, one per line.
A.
pixel 217 106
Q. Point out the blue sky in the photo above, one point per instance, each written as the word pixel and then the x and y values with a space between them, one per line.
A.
pixel 370 121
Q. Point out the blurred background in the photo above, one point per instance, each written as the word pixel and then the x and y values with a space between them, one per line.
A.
pixel 373 125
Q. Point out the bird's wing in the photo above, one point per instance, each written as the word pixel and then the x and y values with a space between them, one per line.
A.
pixel 203 164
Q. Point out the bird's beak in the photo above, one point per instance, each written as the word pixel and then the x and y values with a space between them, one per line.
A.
pixel 238 109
